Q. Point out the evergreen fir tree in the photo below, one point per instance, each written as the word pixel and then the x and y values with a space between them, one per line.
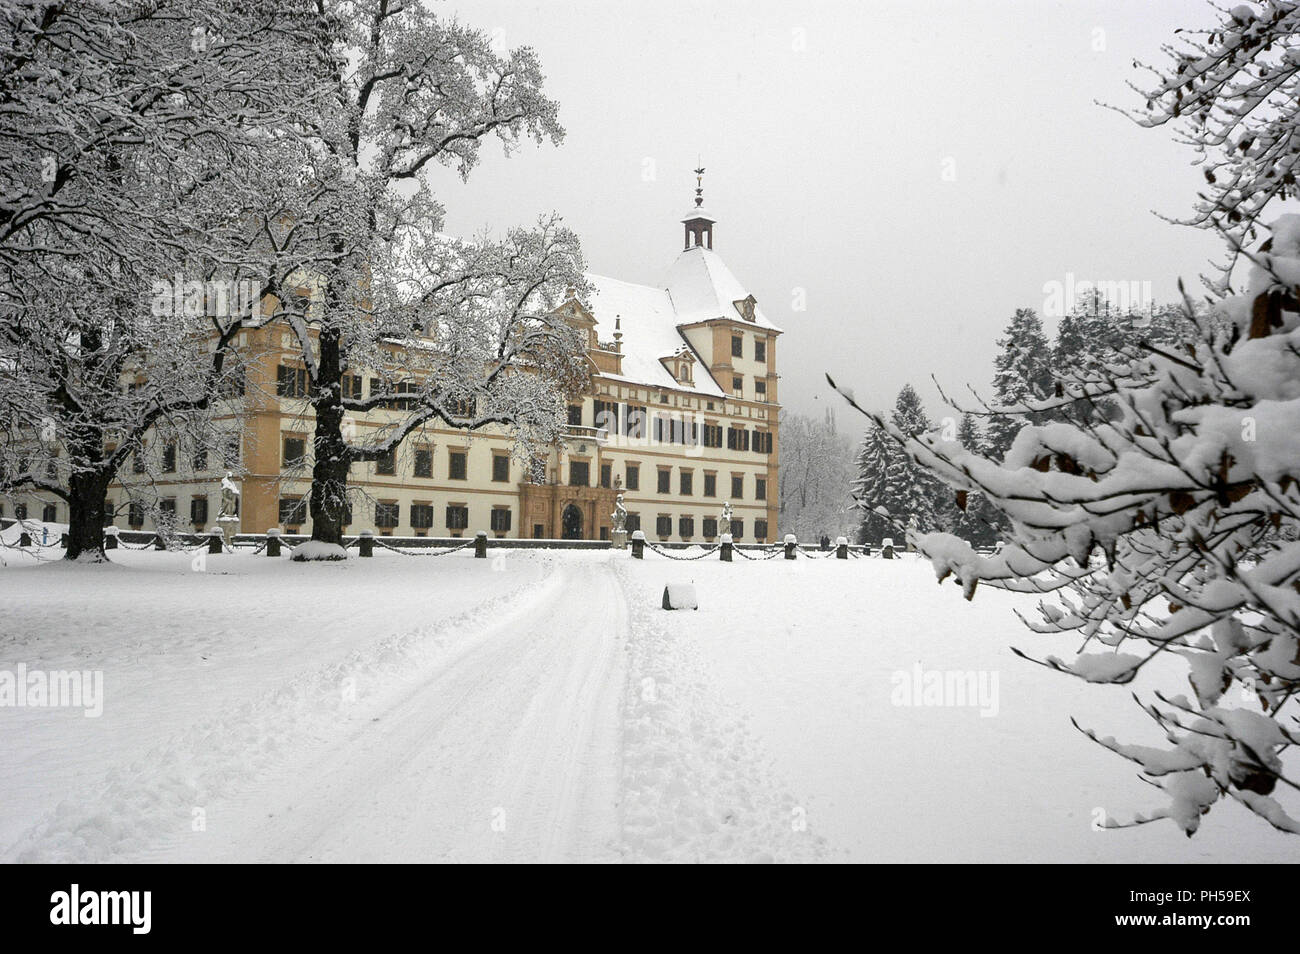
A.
pixel 977 523
pixel 871 486
pixel 912 491
pixel 1023 373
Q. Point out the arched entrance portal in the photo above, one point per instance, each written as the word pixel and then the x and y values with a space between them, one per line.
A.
pixel 571 523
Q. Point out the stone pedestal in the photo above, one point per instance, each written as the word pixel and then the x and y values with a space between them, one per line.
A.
pixel 620 539
pixel 229 526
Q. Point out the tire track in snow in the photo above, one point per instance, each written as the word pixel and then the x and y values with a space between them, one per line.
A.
pixel 144 810
pixel 510 752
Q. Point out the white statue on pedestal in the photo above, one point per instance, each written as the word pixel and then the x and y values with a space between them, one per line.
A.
pixel 228 518
pixel 724 522
pixel 619 516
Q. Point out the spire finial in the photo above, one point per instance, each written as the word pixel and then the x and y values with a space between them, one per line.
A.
pixel 699 183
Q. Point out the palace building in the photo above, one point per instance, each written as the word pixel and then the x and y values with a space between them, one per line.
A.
pixel 681 417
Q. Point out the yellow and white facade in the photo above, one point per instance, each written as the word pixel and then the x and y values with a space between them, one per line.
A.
pixel 681 417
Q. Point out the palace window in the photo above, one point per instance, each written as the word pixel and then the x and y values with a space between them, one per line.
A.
pixel 634 421
pixel 292 512
pixel 200 461
pixel 737 486
pixel 664 525
pixel 737 346
pixel 290 382
pixel 169 459
pixel 295 449
pixel 457 516
pixel 199 511
pixel 387 515
pixel 606 415
pixel 575 415
pixel 421 516
pixel 762 442
pixel 633 476
pixel 737 529
pixel 606 475
pixel 760 488
pixel 760 531
pixel 386 464
pixel 423 463
pixel 501 468
pixel 687 483
pixel 710 485
pixel 457 465
pixel 710 527
pixel 737 439
pixel 665 480
pixel 50 512
pixel 579 473
pixel 760 350
pixel 686 527
pixel 712 435
pixel 633 522
pixel 500 519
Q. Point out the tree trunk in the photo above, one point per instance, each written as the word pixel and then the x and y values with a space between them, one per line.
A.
pixel 329 473
pixel 86 517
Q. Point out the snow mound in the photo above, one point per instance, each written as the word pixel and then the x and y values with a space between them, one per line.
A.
pixel 316 550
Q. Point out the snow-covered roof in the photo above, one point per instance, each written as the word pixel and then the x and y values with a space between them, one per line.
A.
pixel 700 288
pixel 650 332
pixel 699 212
pixel 703 288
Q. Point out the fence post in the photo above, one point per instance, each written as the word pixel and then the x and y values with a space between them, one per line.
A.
pixel 110 537
pixel 216 543
pixel 724 553
pixel 366 545
pixel 158 542
pixel 273 542
pixel 887 548
pixel 24 539
pixel 791 546
pixel 638 545
pixel 63 540
pixel 841 548
pixel 480 545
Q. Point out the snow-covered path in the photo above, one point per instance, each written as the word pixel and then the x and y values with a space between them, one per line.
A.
pixel 507 751
pixel 541 706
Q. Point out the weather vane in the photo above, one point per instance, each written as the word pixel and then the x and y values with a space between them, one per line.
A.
pixel 699 185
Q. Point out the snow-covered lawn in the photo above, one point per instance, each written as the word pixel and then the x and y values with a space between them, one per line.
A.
pixel 539 705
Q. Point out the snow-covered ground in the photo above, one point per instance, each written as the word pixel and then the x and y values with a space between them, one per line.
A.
pixel 539 705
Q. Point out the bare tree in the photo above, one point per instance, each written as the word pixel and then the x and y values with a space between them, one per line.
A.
pixel 134 142
pixel 1232 90
pixel 816 471
pixel 464 333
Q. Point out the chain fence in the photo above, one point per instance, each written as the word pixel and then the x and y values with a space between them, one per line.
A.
pixel 423 553
pixel 767 554
pixel 698 556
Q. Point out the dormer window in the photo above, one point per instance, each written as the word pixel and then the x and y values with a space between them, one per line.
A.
pixel 746 307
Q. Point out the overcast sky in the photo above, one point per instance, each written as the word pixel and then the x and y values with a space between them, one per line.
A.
pixel 918 169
